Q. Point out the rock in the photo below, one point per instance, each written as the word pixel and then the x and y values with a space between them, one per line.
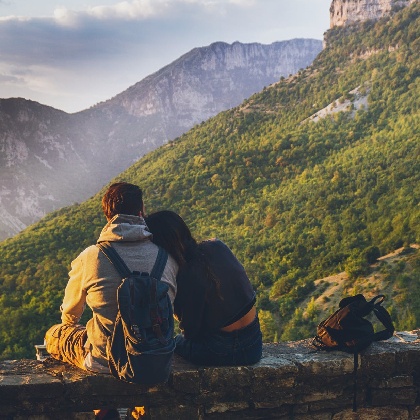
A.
pixel 346 12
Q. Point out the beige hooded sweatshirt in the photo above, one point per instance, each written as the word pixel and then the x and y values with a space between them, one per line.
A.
pixel 94 281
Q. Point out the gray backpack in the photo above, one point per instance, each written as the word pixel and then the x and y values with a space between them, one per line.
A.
pixel 141 347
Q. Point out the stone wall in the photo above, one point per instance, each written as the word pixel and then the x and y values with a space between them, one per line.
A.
pixel 292 381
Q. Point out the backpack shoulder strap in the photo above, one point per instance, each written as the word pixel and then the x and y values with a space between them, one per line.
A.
pixel 383 316
pixel 155 277
pixel 160 264
pixel 114 258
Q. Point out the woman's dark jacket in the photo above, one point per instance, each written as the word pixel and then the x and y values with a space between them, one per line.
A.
pixel 201 305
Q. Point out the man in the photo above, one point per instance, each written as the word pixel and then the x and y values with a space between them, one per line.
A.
pixel 94 281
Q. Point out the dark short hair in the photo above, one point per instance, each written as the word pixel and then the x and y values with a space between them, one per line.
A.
pixel 122 198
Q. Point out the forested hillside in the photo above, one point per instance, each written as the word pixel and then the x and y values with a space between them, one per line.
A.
pixel 296 199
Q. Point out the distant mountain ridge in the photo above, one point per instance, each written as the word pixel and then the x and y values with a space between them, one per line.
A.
pixel 49 159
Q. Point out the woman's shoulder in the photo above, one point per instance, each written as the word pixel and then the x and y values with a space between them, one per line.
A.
pixel 216 250
pixel 213 244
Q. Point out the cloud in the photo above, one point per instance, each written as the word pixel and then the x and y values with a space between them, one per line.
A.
pixel 9 78
pixel 95 53
pixel 104 31
pixel 136 9
pixel 145 9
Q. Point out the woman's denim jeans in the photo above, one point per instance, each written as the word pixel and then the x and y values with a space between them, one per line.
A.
pixel 241 347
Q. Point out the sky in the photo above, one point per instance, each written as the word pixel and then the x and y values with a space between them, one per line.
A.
pixel 72 54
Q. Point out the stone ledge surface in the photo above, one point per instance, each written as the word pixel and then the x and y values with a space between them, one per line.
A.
pixel 293 380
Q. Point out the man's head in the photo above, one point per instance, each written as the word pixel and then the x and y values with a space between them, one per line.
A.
pixel 122 198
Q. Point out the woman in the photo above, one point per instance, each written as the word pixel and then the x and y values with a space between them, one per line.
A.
pixel 215 301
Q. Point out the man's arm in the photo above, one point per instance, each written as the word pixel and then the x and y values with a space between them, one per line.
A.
pixel 74 301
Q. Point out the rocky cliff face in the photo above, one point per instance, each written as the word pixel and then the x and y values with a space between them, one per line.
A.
pixel 208 80
pixel 40 165
pixel 345 12
pixel 49 159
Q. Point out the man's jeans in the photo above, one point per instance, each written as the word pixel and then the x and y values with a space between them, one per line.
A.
pixel 67 343
pixel 236 348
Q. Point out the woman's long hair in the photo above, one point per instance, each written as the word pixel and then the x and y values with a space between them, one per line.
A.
pixel 171 233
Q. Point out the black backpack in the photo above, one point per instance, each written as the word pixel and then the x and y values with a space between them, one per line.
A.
pixel 348 330
pixel 141 347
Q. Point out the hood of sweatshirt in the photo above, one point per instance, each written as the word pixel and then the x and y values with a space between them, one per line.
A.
pixel 125 228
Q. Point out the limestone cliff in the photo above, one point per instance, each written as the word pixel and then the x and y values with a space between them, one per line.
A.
pixel 345 12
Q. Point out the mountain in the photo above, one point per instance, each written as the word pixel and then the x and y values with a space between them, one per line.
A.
pixel 346 12
pixel 41 162
pixel 315 175
pixel 49 159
